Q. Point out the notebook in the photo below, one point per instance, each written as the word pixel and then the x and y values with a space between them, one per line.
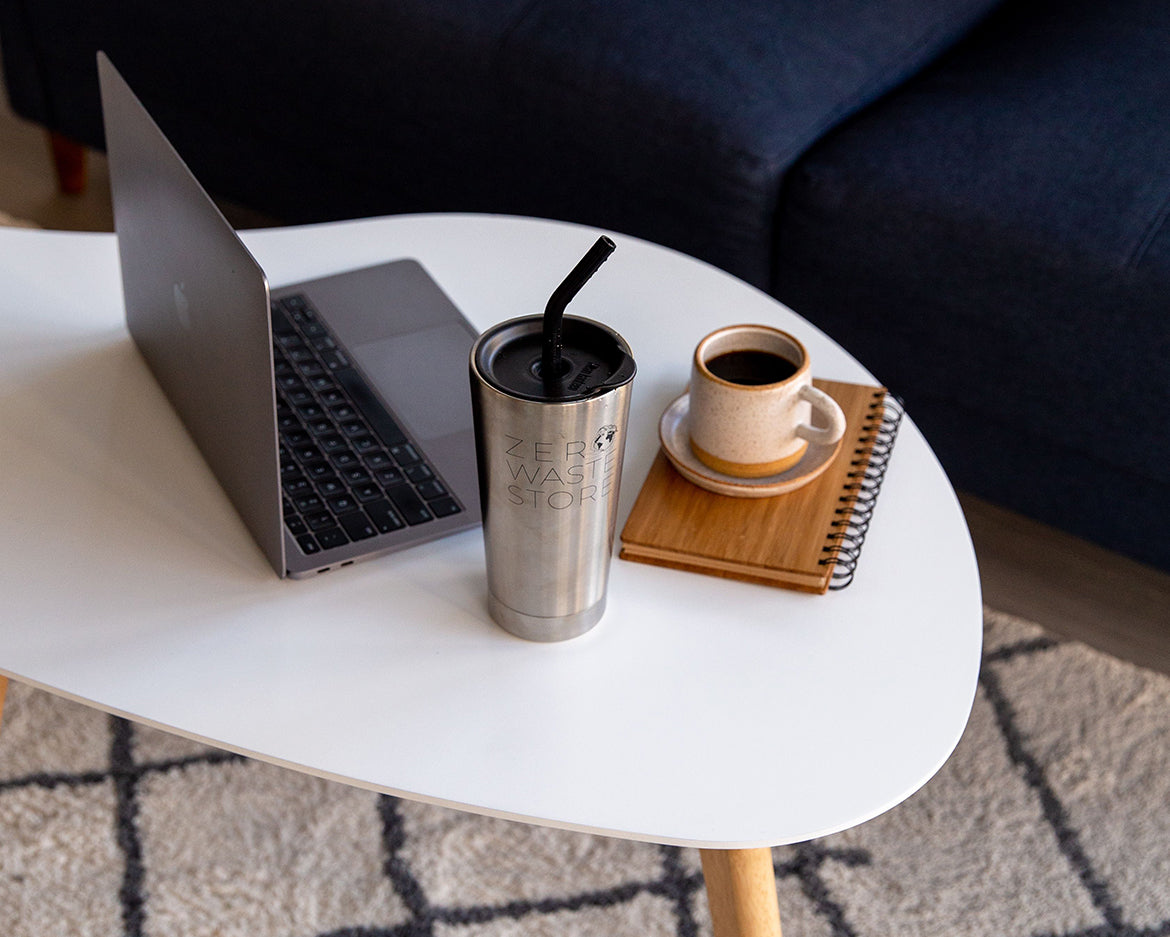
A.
pixel 809 539
pixel 335 412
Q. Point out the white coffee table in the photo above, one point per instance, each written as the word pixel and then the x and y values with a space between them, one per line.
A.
pixel 129 584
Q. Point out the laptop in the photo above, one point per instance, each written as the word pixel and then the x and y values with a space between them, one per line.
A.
pixel 336 412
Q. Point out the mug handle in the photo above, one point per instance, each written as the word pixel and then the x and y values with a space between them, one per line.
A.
pixel 830 413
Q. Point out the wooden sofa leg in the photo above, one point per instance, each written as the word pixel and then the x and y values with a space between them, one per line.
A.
pixel 3 693
pixel 69 160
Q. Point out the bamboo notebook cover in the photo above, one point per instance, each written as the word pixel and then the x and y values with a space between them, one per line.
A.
pixel 808 539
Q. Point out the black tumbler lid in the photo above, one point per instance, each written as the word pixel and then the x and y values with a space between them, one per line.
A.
pixel 594 359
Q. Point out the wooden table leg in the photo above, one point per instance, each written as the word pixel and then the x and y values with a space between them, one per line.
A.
pixel 3 693
pixel 741 891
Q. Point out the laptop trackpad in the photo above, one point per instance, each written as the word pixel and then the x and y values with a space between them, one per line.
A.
pixel 424 377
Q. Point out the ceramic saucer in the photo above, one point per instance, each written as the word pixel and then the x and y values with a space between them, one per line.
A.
pixel 675 439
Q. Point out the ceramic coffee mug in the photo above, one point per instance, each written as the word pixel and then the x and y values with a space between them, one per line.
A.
pixel 752 402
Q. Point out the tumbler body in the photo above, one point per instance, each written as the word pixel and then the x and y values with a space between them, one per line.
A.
pixel 549 472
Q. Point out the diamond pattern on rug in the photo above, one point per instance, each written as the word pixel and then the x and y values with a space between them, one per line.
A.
pixel 1050 820
pixel 59 860
pixel 644 913
pixel 1110 762
pixel 46 737
pixel 461 859
pixel 245 848
pixel 945 863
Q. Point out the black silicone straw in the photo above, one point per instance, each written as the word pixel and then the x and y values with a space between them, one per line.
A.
pixel 554 312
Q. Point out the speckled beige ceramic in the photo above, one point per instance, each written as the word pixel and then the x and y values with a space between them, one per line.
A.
pixel 753 430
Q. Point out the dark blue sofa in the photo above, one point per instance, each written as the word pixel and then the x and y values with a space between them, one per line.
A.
pixel 969 194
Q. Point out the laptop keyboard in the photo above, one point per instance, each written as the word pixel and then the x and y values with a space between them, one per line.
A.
pixel 348 471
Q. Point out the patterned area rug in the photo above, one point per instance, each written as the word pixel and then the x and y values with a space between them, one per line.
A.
pixel 1052 818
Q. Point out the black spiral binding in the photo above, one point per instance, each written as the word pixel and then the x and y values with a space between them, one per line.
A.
pixel 865 481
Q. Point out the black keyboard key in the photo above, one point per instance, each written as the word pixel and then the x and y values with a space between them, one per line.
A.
pixel 356 475
pixel 357 525
pixel 280 323
pixel 332 537
pixel 390 476
pixel 376 459
pixel 334 360
pixel 380 421
pixel 405 454
pixel 329 486
pixel 342 504
pixel 308 544
pixel 430 489
pixel 344 459
pixel 297 486
pixel 367 492
pixel 419 472
pixel 444 507
pixel 332 443
pixel 409 505
pixel 320 521
pixel 309 503
pixel 383 516
pixel 295 525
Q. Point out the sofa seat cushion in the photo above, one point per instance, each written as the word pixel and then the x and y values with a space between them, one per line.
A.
pixel 672 121
pixel 678 121
pixel 993 240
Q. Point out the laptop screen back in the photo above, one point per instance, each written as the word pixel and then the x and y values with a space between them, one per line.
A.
pixel 197 308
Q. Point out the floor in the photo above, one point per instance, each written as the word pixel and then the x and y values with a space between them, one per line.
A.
pixel 1069 586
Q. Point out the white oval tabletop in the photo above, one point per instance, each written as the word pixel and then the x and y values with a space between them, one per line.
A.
pixel 700 711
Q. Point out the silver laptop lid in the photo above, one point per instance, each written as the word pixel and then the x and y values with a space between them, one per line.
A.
pixel 197 306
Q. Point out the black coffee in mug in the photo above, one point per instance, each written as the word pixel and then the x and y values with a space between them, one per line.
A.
pixel 751 366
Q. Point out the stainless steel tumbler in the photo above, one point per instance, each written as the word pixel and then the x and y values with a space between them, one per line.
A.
pixel 550 460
